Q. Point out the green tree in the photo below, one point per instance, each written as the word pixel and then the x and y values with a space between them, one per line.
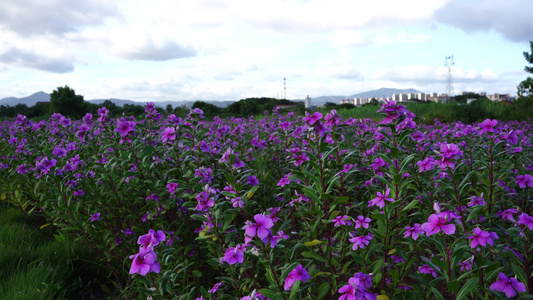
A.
pixel 114 110
pixel 210 110
pixel 41 109
pixel 525 88
pixel 64 100
pixel 529 58
pixel 169 108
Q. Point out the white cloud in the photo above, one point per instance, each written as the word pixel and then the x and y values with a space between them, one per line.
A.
pixel 29 59
pixel 512 18
pixel 28 17
pixel 161 51
pixel 348 38
pixel 400 37
pixel 425 74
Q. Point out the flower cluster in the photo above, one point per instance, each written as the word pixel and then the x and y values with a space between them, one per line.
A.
pixel 145 261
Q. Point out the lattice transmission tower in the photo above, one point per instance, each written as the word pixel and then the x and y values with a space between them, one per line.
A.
pixel 448 62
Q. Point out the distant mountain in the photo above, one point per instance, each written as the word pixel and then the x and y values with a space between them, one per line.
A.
pixel 43 97
pixel 383 93
pixel 379 93
pixel 29 101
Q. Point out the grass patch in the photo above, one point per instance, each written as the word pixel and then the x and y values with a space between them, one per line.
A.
pixel 38 265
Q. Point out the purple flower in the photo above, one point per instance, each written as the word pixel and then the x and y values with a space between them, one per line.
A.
pixel 525 219
pixel 204 201
pixel 340 220
pixel 152 238
pixel 298 273
pixel 124 127
pixel 361 241
pixel 45 164
pixel 508 214
pixel 488 125
pixel 215 288
pixel 169 134
pixel 95 217
pixel 252 180
pixel 413 231
pixel 477 201
pixel 479 237
pixel 356 289
pixel 466 265
pixel 426 164
pixel 524 181
pixel 261 228
pixel 425 269
pixel 508 285
pixel 234 255
pixel 362 222
pixel 380 199
pixel 172 187
pixel 311 119
pixel 436 223
pixel 392 110
pixel 285 180
pixel 144 262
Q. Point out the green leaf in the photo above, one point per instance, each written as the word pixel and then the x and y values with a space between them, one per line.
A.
pixel 431 264
pixel 294 290
pixel 270 277
pixel 453 286
pixel 313 243
pixel 411 205
pixel 519 272
pixel 314 256
pixel 196 273
pixel 437 294
pixel 287 269
pixel 199 218
pixel 251 192
pixel 469 286
pixel 474 212
pixel 270 294
pixel 323 290
pixel 338 201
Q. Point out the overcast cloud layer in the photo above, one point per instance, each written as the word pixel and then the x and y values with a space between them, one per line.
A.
pixel 208 49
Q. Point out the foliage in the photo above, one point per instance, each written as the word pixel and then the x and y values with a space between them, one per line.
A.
pixel 35 265
pixel 289 207
pixel 529 58
pixel 64 100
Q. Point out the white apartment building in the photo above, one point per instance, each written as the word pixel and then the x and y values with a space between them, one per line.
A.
pixel 499 97
pixel 307 102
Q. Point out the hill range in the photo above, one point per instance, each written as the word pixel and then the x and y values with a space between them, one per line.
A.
pixel 45 97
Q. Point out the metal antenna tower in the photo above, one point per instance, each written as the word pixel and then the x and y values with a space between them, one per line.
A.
pixel 284 88
pixel 449 86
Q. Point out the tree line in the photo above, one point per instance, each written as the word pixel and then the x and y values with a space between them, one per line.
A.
pixel 65 101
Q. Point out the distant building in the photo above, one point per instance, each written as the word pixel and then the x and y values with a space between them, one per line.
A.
pixel 439 98
pixel 361 101
pixel 347 101
pixel 483 94
pixel 307 102
pixel 499 97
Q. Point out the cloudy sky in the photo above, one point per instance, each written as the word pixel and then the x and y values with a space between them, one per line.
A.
pixel 233 49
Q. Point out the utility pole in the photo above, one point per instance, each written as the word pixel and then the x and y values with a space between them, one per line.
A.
pixel 449 85
pixel 284 88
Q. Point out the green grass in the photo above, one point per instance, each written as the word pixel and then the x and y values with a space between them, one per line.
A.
pixel 35 265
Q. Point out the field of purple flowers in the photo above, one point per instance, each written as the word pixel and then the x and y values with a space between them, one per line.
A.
pixel 286 207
